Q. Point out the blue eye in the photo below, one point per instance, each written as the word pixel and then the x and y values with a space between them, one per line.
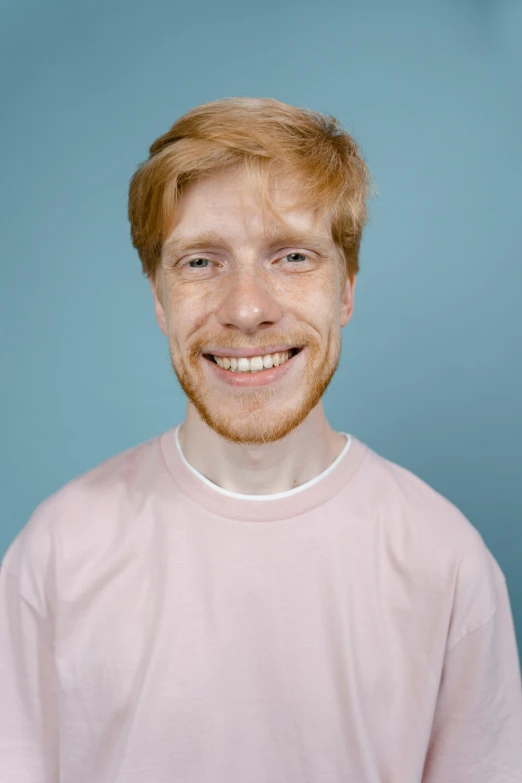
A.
pixel 198 259
pixel 302 255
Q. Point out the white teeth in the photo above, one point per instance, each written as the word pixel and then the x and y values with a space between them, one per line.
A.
pixel 255 364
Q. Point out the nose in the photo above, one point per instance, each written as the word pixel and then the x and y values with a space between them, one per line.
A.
pixel 249 303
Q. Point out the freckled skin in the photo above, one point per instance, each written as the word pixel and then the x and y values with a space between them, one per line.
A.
pixel 250 296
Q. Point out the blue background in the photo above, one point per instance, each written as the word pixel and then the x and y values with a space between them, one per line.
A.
pixel 430 374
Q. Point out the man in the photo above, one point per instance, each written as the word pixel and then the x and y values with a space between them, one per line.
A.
pixel 253 596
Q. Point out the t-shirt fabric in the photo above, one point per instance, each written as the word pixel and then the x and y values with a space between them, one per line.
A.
pixel 156 628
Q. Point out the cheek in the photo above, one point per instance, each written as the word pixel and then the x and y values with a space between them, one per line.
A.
pixel 190 304
pixel 185 317
pixel 317 301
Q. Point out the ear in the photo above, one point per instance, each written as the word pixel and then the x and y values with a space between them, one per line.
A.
pixel 346 309
pixel 158 307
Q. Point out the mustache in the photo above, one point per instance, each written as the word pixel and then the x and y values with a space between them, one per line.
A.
pixel 234 345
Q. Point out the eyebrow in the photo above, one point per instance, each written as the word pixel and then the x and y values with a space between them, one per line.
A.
pixel 176 246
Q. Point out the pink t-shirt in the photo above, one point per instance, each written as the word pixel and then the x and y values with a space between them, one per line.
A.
pixel 155 628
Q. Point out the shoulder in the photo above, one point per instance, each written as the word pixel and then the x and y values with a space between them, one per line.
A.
pixel 412 502
pixel 435 539
pixel 84 517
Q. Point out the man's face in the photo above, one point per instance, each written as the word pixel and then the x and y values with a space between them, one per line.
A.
pixel 258 283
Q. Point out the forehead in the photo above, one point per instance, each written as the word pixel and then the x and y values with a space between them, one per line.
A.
pixel 228 201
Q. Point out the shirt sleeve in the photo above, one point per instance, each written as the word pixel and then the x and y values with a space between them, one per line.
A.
pixel 28 696
pixel 477 729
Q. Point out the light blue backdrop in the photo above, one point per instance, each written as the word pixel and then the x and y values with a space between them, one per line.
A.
pixel 430 375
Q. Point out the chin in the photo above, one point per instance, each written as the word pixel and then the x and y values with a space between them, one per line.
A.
pixel 256 422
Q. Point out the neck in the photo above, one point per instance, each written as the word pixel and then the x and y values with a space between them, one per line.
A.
pixel 266 469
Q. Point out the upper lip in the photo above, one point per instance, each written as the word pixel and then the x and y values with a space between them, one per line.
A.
pixel 249 352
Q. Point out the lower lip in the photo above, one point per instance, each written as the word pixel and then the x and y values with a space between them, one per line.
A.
pixel 248 379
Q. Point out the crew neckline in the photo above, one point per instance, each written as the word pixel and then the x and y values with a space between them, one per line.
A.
pixel 261 508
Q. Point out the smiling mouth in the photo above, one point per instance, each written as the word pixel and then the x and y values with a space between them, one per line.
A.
pixel 293 352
